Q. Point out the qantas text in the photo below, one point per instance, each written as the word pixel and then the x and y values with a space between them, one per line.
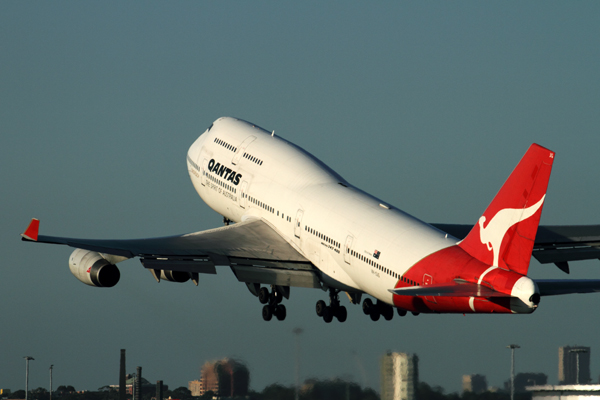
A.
pixel 224 172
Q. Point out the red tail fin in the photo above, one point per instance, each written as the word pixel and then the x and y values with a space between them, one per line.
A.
pixel 506 232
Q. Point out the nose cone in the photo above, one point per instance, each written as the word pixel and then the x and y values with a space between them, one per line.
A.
pixel 525 296
pixel 196 147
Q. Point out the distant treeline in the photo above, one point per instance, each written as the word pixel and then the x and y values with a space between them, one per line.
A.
pixel 312 389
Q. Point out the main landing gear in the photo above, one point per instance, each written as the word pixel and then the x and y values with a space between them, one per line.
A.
pixel 272 304
pixel 382 309
pixel 377 310
pixel 334 309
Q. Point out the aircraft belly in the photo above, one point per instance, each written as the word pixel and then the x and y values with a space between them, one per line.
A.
pixel 334 272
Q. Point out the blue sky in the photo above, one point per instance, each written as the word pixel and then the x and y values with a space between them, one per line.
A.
pixel 427 105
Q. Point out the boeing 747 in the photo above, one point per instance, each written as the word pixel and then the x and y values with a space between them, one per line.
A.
pixel 293 221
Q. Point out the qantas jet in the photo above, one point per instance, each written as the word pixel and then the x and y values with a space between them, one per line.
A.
pixel 298 223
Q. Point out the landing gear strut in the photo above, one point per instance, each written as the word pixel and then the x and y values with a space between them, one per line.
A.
pixel 272 304
pixel 334 309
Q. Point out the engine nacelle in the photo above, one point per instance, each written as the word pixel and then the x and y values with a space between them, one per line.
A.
pixel 92 269
pixel 174 276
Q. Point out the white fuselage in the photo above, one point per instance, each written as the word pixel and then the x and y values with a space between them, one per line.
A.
pixel 357 241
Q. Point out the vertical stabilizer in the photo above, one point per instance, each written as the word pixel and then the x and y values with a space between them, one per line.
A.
pixel 505 233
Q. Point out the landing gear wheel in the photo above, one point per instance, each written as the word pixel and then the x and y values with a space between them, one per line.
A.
pixel 415 313
pixel 388 313
pixel 367 306
pixel 280 312
pixel 263 295
pixel 375 314
pixel 267 313
pixel 328 314
pixel 278 297
pixel 401 312
pixel 341 314
pixel 320 307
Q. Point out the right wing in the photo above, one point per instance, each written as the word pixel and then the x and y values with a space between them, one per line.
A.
pixel 556 244
pixel 255 252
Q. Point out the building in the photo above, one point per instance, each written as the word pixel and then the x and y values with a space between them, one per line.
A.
pixel 195 387
pixel 147 387
pixel 564 392
pixel 524 379
pixel 399 376
pixel 474 383
pixel 567 365
pixel 225 378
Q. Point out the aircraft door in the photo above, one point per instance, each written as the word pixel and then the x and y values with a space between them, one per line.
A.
pixel 298 223
pixel 348 248
pixel 242 149
pixel 204 177
pixel 243 195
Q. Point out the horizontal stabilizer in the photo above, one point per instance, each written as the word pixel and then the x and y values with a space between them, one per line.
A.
pixel 552 287
pixel 457 289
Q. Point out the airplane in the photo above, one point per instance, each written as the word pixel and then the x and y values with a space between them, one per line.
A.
pixel 291 221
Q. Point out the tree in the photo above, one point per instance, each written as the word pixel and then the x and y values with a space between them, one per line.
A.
pixel 208 395
pixel 277 391
pixel 180 393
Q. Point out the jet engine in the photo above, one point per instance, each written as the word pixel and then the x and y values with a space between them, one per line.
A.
pixel 92 269
pixel 174 276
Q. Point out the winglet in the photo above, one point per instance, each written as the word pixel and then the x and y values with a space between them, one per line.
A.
pixel 31 233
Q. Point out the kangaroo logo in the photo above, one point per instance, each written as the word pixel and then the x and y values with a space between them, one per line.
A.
pixel 493 234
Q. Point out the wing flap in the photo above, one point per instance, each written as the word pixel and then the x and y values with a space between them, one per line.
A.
pixel 276 276
pixel 204 266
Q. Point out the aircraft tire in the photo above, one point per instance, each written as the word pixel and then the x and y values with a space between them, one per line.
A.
pixel 320 308
pixel 415 313
pixel 375 314
pixel 280 312
pixel 341 314
pixel 278 297
pixel 328 315
pixel 401 312
pixel 388 313
pixel 267 313
pixel 263 295
pixel 367 306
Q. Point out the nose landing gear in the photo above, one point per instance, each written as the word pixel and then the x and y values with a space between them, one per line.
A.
pixel 334 309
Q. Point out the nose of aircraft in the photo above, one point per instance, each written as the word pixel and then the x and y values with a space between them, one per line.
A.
pixel 195 149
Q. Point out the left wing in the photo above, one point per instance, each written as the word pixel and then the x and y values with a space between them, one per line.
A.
pixel 253 249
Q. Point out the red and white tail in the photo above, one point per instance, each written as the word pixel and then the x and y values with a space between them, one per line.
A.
pixel 505 233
